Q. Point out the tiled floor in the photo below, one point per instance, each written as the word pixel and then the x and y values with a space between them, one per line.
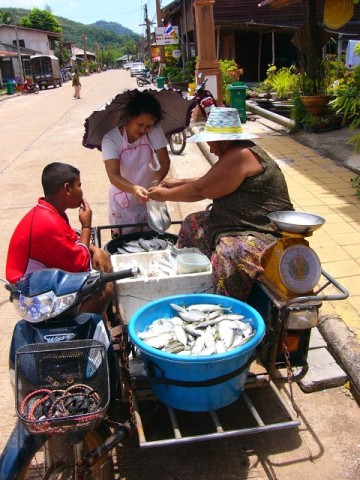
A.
pixel 320 186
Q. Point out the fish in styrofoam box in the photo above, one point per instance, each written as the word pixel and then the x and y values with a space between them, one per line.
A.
pixel 158 278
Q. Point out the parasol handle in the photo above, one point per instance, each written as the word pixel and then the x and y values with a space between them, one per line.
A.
pixel 155 167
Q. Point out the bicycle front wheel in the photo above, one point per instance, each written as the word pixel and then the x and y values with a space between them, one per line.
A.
pixel 177 142
pixel 56 460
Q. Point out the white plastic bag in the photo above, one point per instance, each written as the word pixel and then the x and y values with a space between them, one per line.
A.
pixel 158 216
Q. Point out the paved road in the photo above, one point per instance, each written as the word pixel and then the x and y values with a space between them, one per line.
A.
pixel 49 127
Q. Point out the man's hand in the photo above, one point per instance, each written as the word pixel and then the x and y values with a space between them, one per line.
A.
pixel 100 259
pixel 85 214
pixel 158 193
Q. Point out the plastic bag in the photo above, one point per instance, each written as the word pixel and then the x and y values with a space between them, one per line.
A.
pixel 158 216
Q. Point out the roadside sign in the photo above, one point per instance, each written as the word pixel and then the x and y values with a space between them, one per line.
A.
pixel 167 39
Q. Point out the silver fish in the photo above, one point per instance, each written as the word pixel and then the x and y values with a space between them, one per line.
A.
pixel 178 308
pixel 192 316
pixel 180 334
pixel 145 244
pixel 198 345
pixel 132 249
pixel 207 307
pixel 191 332
pixel 159 243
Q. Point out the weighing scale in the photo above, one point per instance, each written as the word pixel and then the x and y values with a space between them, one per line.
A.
pixel 284 293
pixel 291 267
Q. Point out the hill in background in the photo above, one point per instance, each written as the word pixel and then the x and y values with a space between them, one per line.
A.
pixel 104 33
pixel 113 27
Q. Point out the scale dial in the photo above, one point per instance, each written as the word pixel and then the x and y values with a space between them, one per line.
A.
pixel 299 268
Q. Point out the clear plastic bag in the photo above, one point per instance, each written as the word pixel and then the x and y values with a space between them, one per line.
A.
pixel 158 216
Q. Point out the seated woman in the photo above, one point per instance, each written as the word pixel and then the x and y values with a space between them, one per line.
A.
pixel 245 185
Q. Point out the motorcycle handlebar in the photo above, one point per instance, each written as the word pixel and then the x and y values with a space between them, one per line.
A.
pixel 201 85
pixel 113 276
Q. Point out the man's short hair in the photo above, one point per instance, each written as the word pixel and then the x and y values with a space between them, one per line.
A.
pixel 56 174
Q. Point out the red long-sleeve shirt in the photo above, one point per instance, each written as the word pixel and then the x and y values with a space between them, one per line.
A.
pixel 45 239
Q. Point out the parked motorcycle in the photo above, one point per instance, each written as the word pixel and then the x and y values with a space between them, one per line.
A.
pixel 205 101
pixel 204 98
pixel 63 368
pixel 143 80
pixel 31 87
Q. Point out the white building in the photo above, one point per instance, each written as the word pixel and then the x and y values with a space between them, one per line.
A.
pixel 31 42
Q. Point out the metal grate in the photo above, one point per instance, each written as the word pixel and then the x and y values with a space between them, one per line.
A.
pixel 250 414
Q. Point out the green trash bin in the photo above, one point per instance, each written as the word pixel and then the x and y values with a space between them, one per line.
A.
pixel 10 87
pixel 238 98
pixel 160 82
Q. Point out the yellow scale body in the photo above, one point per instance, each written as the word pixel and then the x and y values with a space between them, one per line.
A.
pixel 291 267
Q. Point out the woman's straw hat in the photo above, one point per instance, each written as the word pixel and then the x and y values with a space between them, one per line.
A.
pixel 223 124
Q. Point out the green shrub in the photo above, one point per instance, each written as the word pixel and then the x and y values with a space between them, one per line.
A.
pixel 283 81
pixel 230 72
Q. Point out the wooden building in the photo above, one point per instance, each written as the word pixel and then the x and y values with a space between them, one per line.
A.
pixel 257 36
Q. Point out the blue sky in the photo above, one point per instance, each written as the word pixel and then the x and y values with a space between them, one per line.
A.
pixel 130 13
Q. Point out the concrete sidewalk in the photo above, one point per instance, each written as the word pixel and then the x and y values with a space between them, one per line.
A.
pixel 320 184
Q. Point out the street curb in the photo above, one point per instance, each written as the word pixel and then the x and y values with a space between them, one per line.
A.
pixel 342 343
pixel 344 346
pixel 8 97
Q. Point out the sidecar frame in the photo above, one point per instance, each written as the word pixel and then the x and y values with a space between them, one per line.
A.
pixel 245 416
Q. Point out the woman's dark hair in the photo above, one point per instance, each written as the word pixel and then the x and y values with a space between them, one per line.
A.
pixel 144 102
pixel 56 174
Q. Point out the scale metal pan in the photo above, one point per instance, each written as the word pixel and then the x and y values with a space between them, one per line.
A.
pixel 296 222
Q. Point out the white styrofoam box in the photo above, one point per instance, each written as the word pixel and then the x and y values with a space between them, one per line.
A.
pixel 133 293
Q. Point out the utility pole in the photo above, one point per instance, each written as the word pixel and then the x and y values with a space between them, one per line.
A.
pixel 86 63
pixel 18 50
pixel 97 57
pixel 147 23
pixel 160 24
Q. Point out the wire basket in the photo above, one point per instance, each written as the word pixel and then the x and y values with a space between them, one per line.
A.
pixel 62 386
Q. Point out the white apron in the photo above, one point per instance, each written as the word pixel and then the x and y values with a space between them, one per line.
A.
pixel 124 208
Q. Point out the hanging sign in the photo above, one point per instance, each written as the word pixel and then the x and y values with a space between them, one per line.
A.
pixel 163 38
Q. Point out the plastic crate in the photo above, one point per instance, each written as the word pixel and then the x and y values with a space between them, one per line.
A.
pixel 62 386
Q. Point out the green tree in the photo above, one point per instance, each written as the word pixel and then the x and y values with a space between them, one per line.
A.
pixel 6 17
pixel 130 48
pixel 63 54
pixel 41 20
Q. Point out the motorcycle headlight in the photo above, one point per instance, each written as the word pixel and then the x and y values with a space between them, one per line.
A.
pixel 42 307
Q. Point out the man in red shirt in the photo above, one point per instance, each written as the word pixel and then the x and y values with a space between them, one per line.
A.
pixel 45 239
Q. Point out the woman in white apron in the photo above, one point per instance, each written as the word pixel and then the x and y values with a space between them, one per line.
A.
pixel 136 157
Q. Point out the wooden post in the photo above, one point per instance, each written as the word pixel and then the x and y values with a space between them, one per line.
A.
pixel 207 64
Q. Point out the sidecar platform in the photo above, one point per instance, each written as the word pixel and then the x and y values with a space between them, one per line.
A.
pixel 159 425
pixel 261 408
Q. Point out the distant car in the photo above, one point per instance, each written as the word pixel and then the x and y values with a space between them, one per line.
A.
pixel 127 65
pixel 137 68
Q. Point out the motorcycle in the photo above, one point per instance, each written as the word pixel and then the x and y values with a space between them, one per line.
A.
pixel 144 80
pixel 205 100
pixel 31 87
pixel 64 371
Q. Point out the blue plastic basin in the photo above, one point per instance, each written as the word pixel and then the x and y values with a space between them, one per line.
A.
pixel 159 364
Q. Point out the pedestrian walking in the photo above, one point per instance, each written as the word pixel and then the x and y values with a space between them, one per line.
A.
pixel 76 84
